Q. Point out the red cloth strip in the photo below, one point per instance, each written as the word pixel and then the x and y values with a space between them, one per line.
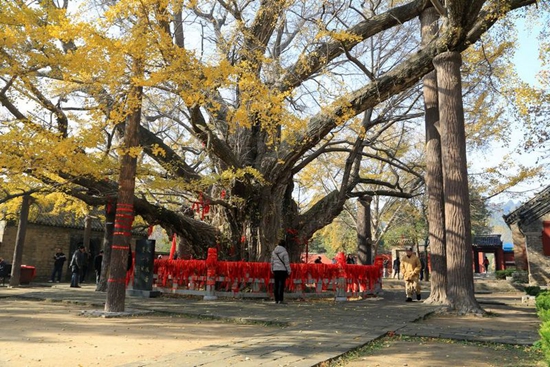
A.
pixel 120 280
pixel 119 247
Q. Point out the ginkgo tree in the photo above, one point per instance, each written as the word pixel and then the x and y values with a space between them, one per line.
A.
pixel 238 100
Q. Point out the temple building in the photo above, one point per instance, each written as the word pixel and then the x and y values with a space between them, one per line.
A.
pixel 530 225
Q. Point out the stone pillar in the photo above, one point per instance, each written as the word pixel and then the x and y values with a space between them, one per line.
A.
pixel 364 237
pixel 211 261
pixel 143 271
pixel 341 281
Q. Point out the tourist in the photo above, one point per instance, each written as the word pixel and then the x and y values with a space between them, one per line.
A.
pixel 396 267
pixel 410 268
pixel 58 261
pixel 85 264
pixel 280 268
pixel 3 265
pixel 98 260
pixel 486 263
pixel 76 264
pixel 318 260
pixel 5 270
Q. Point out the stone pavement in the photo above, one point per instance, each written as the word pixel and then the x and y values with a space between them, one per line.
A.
pixel 308 333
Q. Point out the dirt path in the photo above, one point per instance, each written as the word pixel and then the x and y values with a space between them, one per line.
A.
pixel 422 352
pixel 53 334
pixel 437 352
pixel 38 333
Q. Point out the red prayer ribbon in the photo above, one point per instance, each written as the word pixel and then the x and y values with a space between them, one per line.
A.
pixel 234 275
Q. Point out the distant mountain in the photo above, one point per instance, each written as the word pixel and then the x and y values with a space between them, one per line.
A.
pixel 497 222
pixel 509 206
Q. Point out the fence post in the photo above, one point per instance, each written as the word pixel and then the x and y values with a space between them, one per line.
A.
pixel 211 261
pixel 341 284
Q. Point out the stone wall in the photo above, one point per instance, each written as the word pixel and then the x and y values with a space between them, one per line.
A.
pixel 539 264
pixel 41 242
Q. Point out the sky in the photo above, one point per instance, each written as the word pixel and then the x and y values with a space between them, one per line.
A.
pixel 527 65
pixel 527 57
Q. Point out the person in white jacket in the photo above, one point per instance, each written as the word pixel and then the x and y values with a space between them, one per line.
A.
pixel 280 268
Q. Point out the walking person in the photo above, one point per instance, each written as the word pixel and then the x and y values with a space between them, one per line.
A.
pixel 280 268
pixel 486 263
pixel 76 264
pixel 410 268
pixel 58 260
pixel 98 260
pixel 396 267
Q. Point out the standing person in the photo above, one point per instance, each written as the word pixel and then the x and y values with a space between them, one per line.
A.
pixel 5 270
pixel 98 260
pixel 396 267
pixel 410 268
pixel 76 264
pixel 280 267
pixel 486 263
pixel 3 266
pixel 85 264
pixel 58 260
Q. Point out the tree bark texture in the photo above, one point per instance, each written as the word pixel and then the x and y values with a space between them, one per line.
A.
pixel 20 241
pixel 364 236
pixel 460 279
pixel 434 173
pixel 124 217
pixel 107 246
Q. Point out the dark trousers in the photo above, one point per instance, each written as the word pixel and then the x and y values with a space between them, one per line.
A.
pixel 83 274
pixel 57 271
pixel 75 277
pixel 279 284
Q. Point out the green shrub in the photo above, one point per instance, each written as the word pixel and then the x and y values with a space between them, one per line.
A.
pixel 544 315
pixel 502 274
pixel 542 301
pixel 544 333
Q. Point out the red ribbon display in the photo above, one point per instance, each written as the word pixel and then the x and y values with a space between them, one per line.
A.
pixel 193 274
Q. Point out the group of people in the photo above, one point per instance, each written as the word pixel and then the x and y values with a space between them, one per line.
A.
pixel 410 266
pixel 78 266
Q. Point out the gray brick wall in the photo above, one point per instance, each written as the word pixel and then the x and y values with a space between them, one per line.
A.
pixel 539 264
pixel 41 242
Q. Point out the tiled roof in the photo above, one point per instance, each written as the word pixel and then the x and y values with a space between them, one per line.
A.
pixel 531 210
pixel 67 221
pixel 64 222
pixel 490 240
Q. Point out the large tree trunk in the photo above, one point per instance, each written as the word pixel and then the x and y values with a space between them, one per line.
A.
pixel 434 174
pixel 364 236
pixel 116 290
pixel 107 246
pixel 20 241
pixel 460 279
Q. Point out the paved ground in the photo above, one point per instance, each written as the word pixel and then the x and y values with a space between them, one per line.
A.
pixel 309 333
